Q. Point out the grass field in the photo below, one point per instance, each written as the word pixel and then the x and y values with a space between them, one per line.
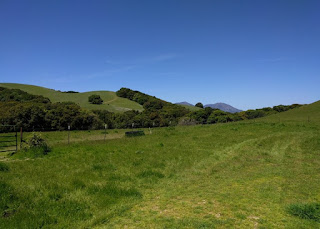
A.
pixel 303 114
pixel 111 101
pixel 235 175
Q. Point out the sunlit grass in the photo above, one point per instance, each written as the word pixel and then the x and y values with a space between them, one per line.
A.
pixel 235 175
pixel 111 101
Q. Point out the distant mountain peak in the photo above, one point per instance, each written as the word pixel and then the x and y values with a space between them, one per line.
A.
pixel 224 107
pixel 185 103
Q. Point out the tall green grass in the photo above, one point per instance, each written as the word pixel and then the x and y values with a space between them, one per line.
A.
pixel 309 211
pixel 235 175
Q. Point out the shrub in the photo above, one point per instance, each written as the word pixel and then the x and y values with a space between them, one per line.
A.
pixel 37 143
pixel 3 167
pixel 70 92
pixel 199 105
pixel 8 200
pixel 305 211
pixel 134 133
pixel 95 99
pixel 186 121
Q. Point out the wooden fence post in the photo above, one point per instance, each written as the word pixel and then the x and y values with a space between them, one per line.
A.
pixel 105 131
pixel 68 135
pixel 21 139
pixel 16 139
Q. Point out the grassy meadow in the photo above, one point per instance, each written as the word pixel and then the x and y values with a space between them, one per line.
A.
pixel 111 101
pixel 254 174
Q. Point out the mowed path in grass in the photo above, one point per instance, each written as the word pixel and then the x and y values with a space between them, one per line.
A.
pixel 111 101
pixel 247 185
pixel 236 175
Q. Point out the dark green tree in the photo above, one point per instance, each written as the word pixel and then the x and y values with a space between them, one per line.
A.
pixel 199 105
pixel 95 99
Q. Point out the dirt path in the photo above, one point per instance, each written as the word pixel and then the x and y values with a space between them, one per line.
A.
pixel 110 101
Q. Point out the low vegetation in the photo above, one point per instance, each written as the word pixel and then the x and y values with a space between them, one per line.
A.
pixel 95 99
pixel 38 113
pixel 112 102
pixel 200 105
pixel 210 116
pixel 259 172
pixel 17 95
pixel 309 211
pixel 243 174
pixel 3 167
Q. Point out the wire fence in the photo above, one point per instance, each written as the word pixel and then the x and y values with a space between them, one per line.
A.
pixel 53 137
pixel 8 138
pixel 13 138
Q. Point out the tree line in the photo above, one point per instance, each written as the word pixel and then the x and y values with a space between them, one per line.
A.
pixel 37 112
pixel 210 116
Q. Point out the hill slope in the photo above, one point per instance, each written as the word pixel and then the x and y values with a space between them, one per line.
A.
pixel 235 175
pixel 310 112
pixel 224 107
pixel 111 101
pixel 189 106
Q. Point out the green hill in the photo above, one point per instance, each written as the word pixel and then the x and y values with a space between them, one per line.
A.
pixel 246 174
pixel 111 101
pixel 306 113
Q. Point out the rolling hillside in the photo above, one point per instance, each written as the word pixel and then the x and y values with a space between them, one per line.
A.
pixel 248 174
pixel 306 113
pixel 235 175
pixel 111 101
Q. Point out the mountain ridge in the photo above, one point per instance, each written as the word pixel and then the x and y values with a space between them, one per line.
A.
pixel 221 106
pixel 185 103
pixel 224 107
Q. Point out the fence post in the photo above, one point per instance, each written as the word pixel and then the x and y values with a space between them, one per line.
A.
pixel 21 138
pixel 16 139
pixel 68 135
pixel 105 131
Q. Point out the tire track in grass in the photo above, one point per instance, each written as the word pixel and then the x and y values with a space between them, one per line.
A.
pixel 203 195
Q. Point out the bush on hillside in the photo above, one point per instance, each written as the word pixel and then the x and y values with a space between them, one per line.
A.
pixel 95 99
pixel 186 121
pixel 9 95
pixel 72 92
pixel 37 143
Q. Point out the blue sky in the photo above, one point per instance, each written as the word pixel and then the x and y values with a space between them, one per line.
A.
pixel 249 54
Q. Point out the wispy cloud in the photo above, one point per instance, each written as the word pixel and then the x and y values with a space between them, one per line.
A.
pixel 110 72
pixel 110 62
pixel 59 80
pixel 270 60
pixel 125 66
pixel 165 57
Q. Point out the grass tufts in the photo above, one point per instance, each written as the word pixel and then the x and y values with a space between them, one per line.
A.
pixel 150 173
pixel 309 211
pixel 111 190
pixel 8 200
pixel 4 167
